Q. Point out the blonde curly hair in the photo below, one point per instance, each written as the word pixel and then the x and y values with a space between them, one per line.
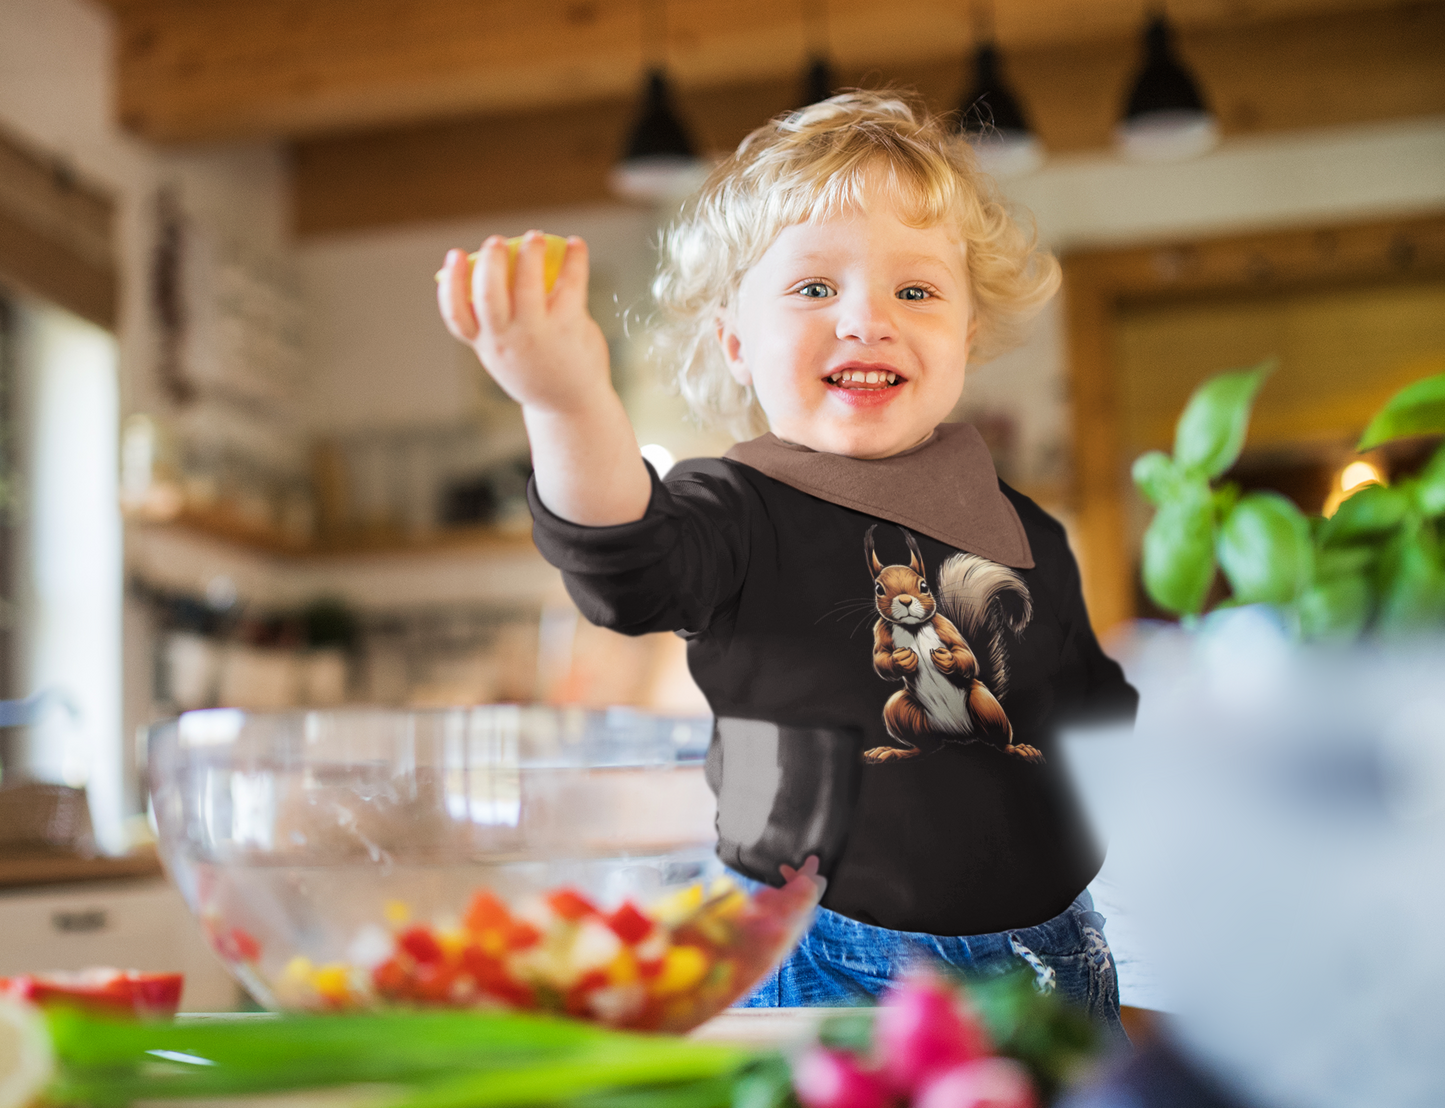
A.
pixel 815 163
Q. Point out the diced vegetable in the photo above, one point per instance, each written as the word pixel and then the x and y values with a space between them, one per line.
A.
pixel 121 992
pixel 664 966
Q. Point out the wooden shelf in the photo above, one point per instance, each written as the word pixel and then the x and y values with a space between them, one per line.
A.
pixel 263 539
pixel 57 869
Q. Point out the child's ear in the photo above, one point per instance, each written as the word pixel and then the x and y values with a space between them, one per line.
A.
pixel 732 350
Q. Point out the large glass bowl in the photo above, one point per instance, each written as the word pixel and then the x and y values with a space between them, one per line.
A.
pixel 549 859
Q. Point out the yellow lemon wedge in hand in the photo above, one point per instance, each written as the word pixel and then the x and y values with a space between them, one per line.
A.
pixel 554 250
pixel 26 1059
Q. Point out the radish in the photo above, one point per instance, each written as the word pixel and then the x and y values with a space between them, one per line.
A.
pixel 832 1079
pixel 921 1032
pixel 981 1083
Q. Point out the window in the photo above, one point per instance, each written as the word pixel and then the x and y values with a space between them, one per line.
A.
pixel 65 553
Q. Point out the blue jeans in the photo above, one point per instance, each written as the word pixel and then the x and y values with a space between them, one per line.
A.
pixel 843 962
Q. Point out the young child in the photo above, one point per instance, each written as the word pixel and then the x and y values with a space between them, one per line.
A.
pixel 830 282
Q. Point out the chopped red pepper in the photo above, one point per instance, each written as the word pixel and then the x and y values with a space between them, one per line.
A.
pixel 629 924
pixel 486 912
pixel 522 935
pixel 391 978
pixel 244 945
pixel 113 991
pixel 571 905
pixel 434 982
pixel 421 944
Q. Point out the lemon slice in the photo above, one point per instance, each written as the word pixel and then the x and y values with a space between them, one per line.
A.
pixel 554 250
pixel 26 1059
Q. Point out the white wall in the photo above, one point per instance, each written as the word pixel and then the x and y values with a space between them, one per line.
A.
pixel 380 357
pixel 1329 175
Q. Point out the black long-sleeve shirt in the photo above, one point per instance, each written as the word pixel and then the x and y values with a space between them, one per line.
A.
pixel 778 597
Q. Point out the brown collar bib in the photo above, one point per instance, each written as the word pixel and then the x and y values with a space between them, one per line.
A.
pixel 946 488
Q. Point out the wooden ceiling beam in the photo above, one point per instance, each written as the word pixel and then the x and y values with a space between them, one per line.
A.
pixel 1348 68
pixel 191 71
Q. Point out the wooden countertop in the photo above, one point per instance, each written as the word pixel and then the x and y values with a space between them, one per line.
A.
pixel 20 871
pixel 763 1027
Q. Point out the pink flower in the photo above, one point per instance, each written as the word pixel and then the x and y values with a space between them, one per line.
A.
pixel 982 1083
pixel 921 1031
pixel 831 1079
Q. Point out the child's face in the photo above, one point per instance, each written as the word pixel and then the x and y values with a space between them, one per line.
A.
pixel 853 332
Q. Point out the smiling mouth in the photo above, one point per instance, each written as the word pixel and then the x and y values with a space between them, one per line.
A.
pixel 864 379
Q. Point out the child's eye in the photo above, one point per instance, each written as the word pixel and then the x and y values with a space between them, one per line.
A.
pixel 914 292
pixel 815 290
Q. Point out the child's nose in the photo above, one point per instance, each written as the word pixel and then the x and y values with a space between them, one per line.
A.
pixel 865 317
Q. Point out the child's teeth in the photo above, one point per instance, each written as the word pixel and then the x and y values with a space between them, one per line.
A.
pixel 863 377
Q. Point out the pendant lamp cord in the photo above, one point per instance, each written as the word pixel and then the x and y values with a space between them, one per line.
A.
pixel 653 19
pixel 980 20
pixel 816 31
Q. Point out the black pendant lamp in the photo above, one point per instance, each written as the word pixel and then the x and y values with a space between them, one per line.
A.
pixel 993 121
pixel 1166 118
pixel 817 81
pixel 659 161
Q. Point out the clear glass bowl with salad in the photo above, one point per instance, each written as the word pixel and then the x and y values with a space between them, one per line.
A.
pixel 546 859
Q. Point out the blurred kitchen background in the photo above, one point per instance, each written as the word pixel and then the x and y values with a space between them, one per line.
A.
pixel 243 464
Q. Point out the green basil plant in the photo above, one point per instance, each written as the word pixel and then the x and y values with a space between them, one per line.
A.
pixel 1376 566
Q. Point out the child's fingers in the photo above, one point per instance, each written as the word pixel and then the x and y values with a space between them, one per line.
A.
pixel 454 298
pixel 571 287
pixel 528 290
pixel 490 295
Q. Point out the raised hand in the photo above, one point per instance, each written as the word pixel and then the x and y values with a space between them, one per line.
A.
pixel 549 355
pixel 542 348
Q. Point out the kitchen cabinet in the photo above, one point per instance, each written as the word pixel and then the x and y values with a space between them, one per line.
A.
pixel 142 925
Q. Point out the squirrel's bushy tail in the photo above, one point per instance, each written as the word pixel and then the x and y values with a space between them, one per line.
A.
pixel 985 600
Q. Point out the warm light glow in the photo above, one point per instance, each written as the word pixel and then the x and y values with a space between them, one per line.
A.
pixel 1359 473
pixel 1353 478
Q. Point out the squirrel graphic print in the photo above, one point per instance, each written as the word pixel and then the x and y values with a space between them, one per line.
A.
pixel 948 648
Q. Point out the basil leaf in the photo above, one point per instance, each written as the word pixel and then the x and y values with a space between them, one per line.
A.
pixel 1210 433
pixel 766 1083
pixel 1179 551
pixel 1156 476
pixel 1334 609
pixel 1264 549
pixel 1417 409
pixel 1343 561
pixel 1430 489
pixel 1414 592
pixel 1371 511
